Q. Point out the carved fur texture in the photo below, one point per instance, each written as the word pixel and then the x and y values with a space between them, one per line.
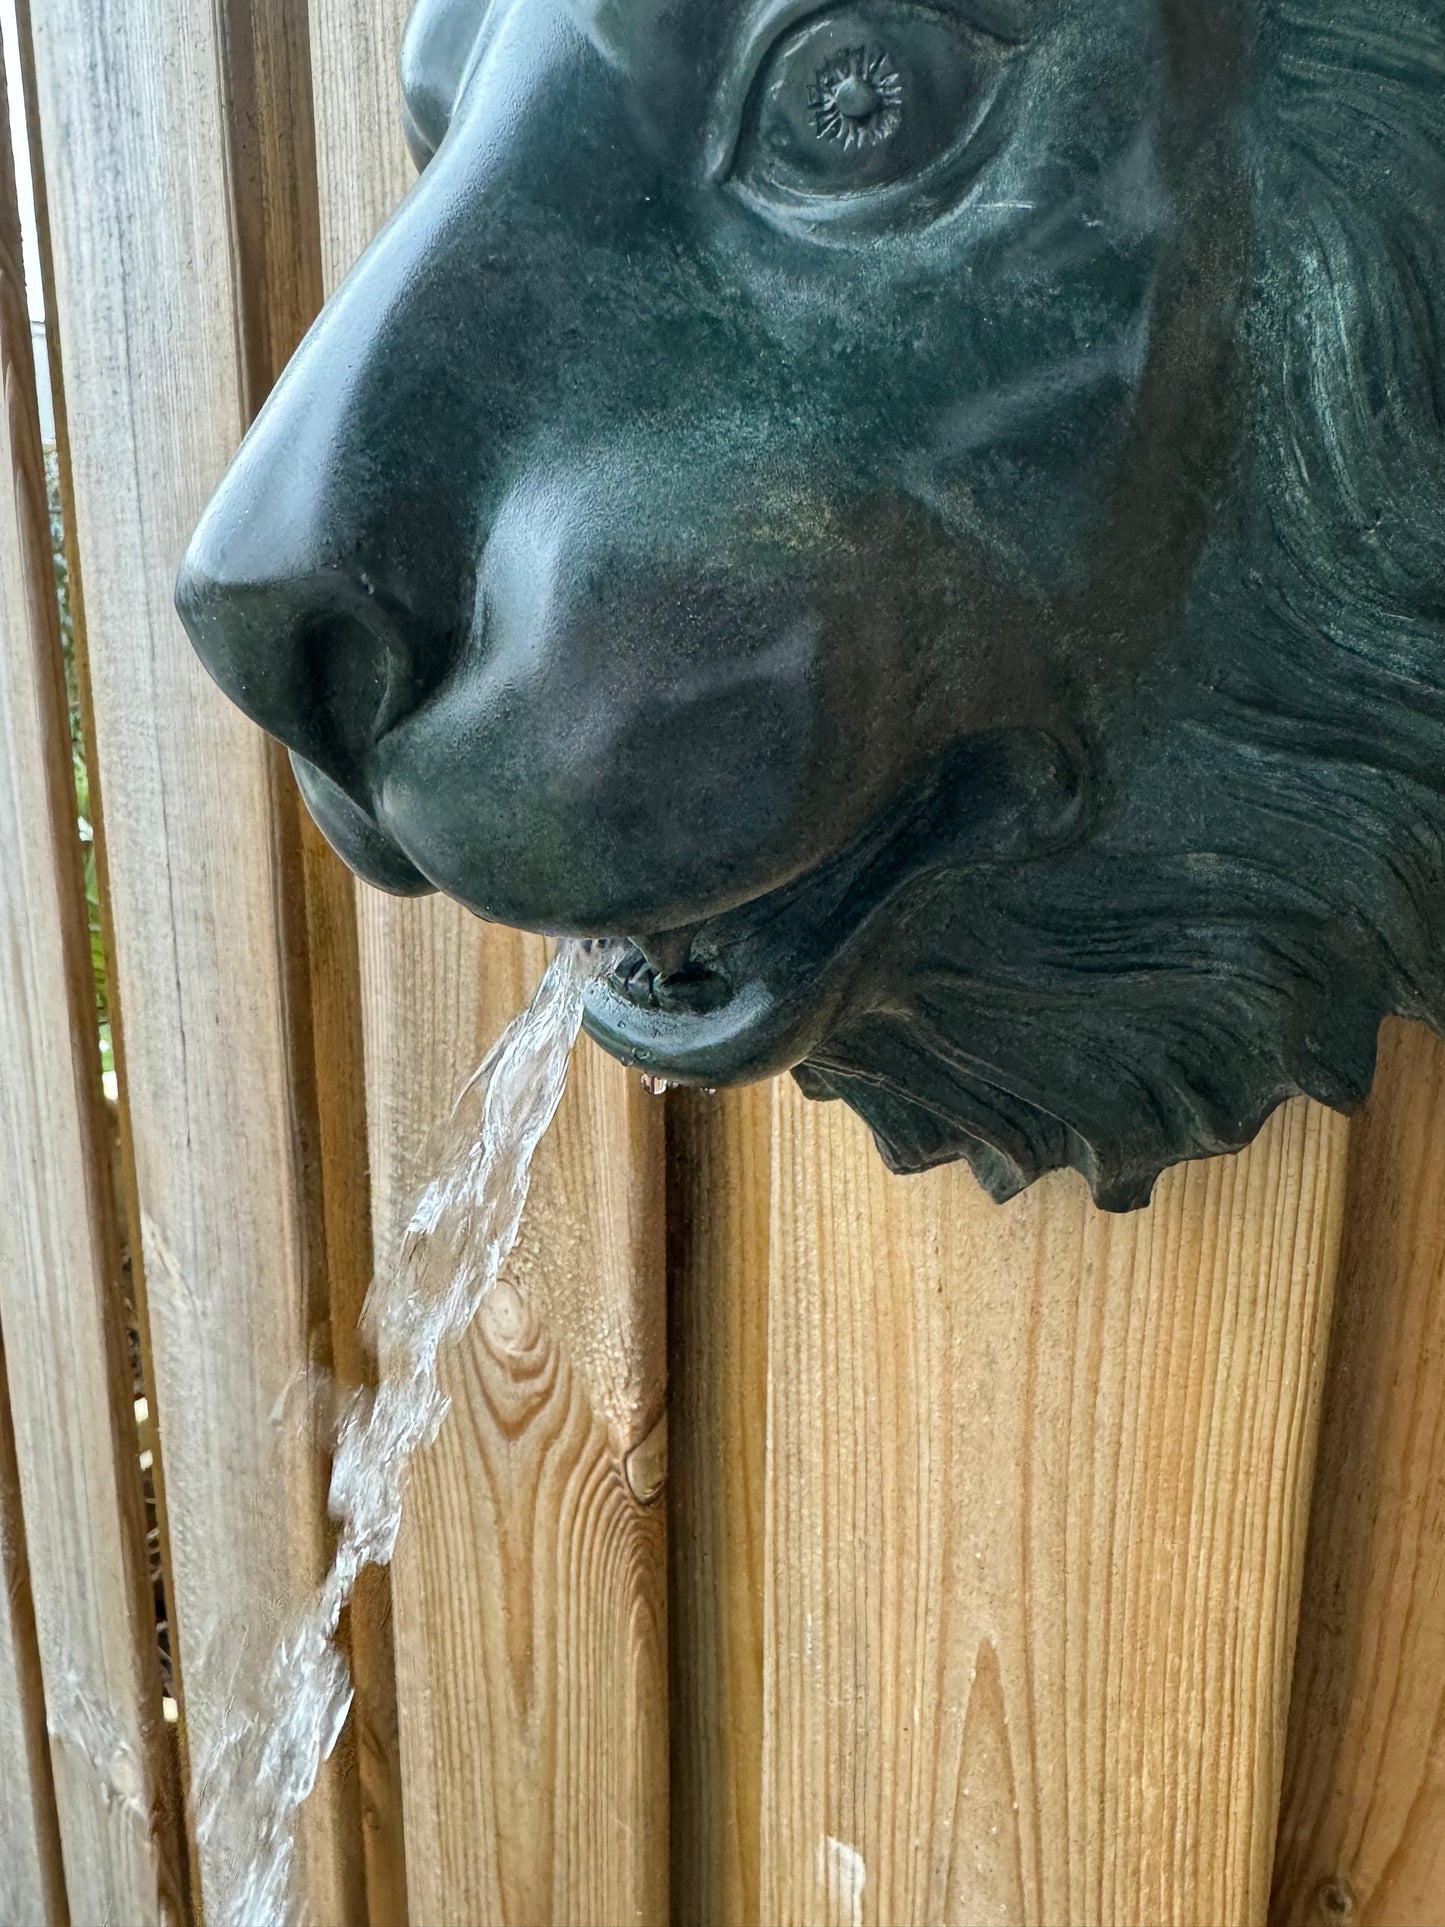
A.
pixel 1263 879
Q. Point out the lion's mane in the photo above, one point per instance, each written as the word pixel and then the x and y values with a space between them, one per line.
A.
pixel 1268 880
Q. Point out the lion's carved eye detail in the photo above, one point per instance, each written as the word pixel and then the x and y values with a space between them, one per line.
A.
pixel 865 105
pixel 857 98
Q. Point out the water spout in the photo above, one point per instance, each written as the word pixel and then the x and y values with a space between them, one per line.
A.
pixel 461 1231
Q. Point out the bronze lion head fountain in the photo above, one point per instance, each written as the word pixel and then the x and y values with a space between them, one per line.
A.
pixel 926 516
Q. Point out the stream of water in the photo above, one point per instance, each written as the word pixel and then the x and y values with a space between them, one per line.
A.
pixel 461 1230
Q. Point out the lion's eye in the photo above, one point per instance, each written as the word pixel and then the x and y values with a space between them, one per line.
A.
pixel 856 100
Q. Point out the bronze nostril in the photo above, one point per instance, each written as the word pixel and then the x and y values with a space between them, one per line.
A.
pixel 348 678
pixel 318 659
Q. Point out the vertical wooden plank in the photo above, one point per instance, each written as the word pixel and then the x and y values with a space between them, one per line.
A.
pixel 531 1576
pixel 719 1165
pixel 1037 1488
pixel 148 209
pixel 265 54
pixel 32 1884
pixel 335 982
pixel 363 169
pixel 268 58
pixel 1362 1825
pixel 362 165
pixel 530 1580
pixel 60 1289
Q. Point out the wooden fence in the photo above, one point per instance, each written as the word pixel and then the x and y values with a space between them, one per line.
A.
pixel 804 1544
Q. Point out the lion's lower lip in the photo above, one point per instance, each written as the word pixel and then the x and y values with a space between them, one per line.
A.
pixel 747 999
pixel 749 1035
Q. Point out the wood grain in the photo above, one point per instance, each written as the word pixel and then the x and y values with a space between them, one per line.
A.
pixel 145 209
pixel 280 281
pixel 719 1165
pixel 60 1288
pixel 32 1881
pixel 335 1003
pixel 362 165
pixel 1362 1830
pixel 530 1581
pixel 1037 1487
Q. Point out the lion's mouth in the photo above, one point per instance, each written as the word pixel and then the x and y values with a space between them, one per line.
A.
pixel 754 991
pixel 750 992
pixel 691 989
pixel 728 1013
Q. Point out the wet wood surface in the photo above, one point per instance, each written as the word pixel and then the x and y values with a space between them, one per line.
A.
pixel 531 1574
pixel 153 188
pixel 1362 1828
pixel 530 1580
pixel 74 1436
pixel 32 1879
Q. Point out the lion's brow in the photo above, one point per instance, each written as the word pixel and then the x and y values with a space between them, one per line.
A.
pixel 627 32
pixel 621 30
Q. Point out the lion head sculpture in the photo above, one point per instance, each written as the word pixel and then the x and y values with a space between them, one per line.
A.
pixel 926 516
